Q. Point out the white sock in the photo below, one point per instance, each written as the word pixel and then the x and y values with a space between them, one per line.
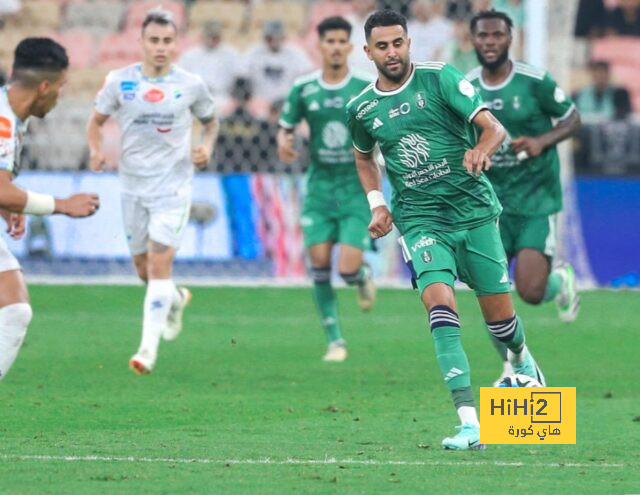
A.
pixel 176 297
pixel 157 303
pixel 14 320
pixel 468 415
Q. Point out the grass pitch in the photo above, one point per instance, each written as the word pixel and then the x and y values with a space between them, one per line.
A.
pixel 241 402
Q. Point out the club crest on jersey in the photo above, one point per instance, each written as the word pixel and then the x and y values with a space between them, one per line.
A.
pixel 154 95
pixel 516 102
pixel 177 94
pixel 420 100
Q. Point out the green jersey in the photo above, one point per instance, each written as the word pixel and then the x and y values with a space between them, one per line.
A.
pixel 423 129
pixel 525 103
pixel 322 106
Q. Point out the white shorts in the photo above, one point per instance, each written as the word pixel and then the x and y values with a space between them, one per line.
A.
pixel 162 220
pixel 8 261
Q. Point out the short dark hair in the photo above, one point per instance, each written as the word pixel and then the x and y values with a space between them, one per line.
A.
pixel 38 55
pixel 332 23
pixel 490 14
pixel 159 16
pixel 383 18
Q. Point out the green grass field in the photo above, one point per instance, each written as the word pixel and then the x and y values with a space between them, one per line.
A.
pixel 241 402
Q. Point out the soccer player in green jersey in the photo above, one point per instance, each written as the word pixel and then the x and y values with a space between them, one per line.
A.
pixel 422 115
pixel 335 208
pixel 526 169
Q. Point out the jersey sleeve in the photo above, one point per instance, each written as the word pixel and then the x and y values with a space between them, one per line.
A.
pixel 553 100
pixel 459 93
pixel 362 140
pixel 293 109
pixel 7 143
pixel 107 101
pixel 203 106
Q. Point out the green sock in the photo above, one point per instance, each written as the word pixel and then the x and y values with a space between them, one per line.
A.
pixel 451 357
pixel 500 347
pixel 355 278
pixel 510 331
pixel 554 284
pixel 327 305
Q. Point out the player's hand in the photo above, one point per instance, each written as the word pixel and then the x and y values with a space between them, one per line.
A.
pixel 475 161
pixel 381 222
pixel 97 161
pixel 286 150
pixel 528 146
pixel 201 156
pixel 16 225
pixel 78 205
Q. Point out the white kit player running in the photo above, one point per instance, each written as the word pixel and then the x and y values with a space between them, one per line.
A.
pixel 154 103
pixel 38 74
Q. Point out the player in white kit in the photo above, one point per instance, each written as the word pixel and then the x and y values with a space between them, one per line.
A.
pixel 154 103
pixel 38 74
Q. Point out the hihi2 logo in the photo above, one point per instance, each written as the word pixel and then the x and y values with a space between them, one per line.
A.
pixel 541 415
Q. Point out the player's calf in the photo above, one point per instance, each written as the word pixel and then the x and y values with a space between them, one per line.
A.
pixel 14 320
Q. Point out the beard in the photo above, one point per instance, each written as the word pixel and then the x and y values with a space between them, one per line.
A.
pixel 491 66
pixel 395 77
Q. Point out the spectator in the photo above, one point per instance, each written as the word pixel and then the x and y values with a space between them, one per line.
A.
pixel 245 143
pixel 460 51
pixel 602 100
pixel 273 64
pixel 215 61
pixel 429 30
pixel 590 19
pixel 358 59
pixel 624 20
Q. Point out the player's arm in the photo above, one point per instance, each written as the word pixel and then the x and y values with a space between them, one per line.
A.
pixel 492 133
pixel 528 146
pixel 20 201
pixel 97 158
pixel 292 114
pixel 371 180
pixel 201 154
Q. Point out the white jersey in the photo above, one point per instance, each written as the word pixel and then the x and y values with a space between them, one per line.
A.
pixel 12 130
pixel 155 116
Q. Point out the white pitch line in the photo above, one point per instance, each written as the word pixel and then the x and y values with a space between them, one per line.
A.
pixel 296 462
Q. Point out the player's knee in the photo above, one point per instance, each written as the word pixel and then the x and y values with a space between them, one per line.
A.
pixel 321 275
pixel 16 316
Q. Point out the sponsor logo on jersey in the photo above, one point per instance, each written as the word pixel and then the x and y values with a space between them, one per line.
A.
pixel 420 100
pixel 422 243
pixel 6 128
pixel 403 109
pixel 466 88
pixel 335 135
pixel 414 150
pixel 335 102
pixel 495 104
pixel 365 107
pixel 154 95
pixel 314 106
pixel 127 86
pixel 6 146
pixel 163 131
pixel 129 96
pixel 377 123
pixel 177 94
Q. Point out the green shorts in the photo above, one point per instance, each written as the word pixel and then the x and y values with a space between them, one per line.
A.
pixel 475 256
pixel 520 232
pixel 337 220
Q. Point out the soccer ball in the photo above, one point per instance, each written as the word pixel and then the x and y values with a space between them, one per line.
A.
pixel 519 381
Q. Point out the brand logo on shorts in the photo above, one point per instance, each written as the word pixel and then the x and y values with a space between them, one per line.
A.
pixel 422 243
pixel 504 279
pixel 426 256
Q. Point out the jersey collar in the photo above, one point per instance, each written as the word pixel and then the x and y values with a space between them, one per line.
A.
pixel 339 85
pixel 503 83
pixel 155 79
pixel 398 90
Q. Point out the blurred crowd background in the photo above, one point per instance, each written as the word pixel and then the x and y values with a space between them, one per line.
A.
pixel 249 52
